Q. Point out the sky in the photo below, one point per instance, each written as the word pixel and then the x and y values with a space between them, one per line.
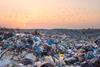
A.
pixel 68 14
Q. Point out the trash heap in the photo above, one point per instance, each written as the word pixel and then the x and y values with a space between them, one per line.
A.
pixel 42 50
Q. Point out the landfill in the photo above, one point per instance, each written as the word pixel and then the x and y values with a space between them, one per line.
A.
pixel 42 50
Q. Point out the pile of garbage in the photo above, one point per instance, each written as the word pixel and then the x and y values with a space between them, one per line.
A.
pixel 41 50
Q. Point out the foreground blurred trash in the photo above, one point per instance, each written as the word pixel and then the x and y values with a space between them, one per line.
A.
pixel 42 50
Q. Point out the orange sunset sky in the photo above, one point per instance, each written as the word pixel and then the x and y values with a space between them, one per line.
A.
pixel 50 14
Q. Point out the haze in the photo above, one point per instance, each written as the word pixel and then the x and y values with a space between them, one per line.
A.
pixel 50 14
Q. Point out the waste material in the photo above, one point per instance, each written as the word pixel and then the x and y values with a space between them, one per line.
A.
pixel 38 50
